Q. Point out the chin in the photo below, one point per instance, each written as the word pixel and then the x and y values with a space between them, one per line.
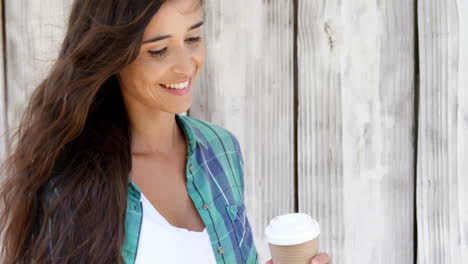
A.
pixel 181 109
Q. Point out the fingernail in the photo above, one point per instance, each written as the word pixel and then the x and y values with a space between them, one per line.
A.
pixel 315 261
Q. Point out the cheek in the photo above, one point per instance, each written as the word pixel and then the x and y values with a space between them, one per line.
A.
pixel 201 54
pixel 135 80
pixel 151 75
pixel 126 83
pixel 146 73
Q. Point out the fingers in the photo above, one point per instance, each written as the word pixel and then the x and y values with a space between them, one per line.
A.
pixel 321 258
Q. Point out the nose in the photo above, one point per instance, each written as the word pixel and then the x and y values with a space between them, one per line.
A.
pixel 184 65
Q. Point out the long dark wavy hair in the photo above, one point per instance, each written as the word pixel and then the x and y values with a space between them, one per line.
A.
pixel 63 195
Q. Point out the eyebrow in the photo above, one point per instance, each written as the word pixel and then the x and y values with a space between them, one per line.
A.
pixel 199 24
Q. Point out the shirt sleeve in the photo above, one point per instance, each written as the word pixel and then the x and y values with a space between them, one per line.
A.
pixel 240 164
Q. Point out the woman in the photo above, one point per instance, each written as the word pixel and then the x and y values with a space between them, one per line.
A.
pixel 104 170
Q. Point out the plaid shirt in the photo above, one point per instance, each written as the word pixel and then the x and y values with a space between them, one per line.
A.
pixel 215 183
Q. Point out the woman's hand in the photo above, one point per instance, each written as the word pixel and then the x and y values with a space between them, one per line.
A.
pixel 321 258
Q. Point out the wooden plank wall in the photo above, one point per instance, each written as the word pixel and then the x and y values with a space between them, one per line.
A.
pixel 442 184
pixel 247 87
pixel 379 84
pixel 3 120
pixel 462 128
pixel 356 123
pixel 34 31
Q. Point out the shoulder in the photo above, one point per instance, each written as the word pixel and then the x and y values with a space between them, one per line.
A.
pixel 222 144
pixel 211 132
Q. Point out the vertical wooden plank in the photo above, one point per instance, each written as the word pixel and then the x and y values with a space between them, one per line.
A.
pixel 3 124
pixel 247 87
pixel 442 185
pixel 34 32
pixel 356 124
pixel 462 130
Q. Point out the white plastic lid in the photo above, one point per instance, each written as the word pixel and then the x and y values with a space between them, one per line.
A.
pixel 291 229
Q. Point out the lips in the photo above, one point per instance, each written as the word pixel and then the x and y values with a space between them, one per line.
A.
pixel 178 91
pixel 178 85
pixel 175 84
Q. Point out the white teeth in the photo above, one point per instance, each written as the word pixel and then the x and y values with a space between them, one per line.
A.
pixel 176 86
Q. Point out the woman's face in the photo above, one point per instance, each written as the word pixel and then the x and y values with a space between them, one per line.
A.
pixel 172 52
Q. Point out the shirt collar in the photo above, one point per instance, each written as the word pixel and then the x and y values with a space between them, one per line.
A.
pixel 192 133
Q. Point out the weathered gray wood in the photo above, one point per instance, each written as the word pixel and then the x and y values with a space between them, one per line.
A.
pixel 34 32
pixel 462 149
pixel 356 124
pixel 246 86
pixel 3 123
pixel 356 131
pixel 442 181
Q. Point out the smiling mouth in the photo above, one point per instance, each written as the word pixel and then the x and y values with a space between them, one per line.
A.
pixel 178 86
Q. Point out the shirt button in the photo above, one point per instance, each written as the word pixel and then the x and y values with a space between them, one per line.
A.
pixel 190 166
pixel 220 250
pixel 205 206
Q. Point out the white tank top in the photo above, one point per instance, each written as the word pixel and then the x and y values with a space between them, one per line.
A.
pixel 161 242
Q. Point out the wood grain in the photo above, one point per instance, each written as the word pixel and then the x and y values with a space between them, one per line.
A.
pixel 247 87
pixel 3 101
pixel 442 185
pixel 34 32
pixel 462 129
pixel 356 127
pixel 358 142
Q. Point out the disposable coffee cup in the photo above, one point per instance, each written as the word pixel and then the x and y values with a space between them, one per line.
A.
pixel 293 238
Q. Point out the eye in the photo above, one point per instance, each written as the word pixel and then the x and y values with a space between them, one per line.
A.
pixel 194 39
pixel 160 52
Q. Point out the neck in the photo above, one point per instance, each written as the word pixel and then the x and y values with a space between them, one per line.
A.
pixel 154 132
